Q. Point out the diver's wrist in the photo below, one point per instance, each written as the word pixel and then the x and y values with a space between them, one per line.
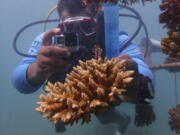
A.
pixel 34 75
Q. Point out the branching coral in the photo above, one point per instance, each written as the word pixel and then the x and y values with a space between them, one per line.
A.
pixel 144 115
pixel 171 14
pixel 175 118
pixel 91 87
pixel 171 18
pixel 171 44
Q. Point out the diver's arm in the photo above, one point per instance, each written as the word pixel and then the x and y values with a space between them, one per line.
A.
pixel 145 78
pixel 50 59
pixel 19 79
pixel 133 51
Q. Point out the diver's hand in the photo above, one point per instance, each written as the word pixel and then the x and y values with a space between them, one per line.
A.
pixel 131 95
pixel 130 63
pixel 50 59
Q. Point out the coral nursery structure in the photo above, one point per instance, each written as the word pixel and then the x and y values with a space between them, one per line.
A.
pixel 91 87
pixel 175 118
pixel 170 45
pixel 172 64
pixel 171 18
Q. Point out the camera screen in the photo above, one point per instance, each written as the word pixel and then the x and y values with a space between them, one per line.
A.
pixel 60 40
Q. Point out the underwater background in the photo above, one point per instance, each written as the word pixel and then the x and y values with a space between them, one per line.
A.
pixel 17 115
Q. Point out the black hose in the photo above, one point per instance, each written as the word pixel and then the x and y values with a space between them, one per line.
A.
pixel 56 20
pixel 145 29
pixel 21 30
pixel 138 29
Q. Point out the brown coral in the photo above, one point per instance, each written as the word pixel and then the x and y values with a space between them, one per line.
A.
pixel 171 44
pixel 91 87
pixel 171 14
pixel 175 118
pixel 171 18
pixel 144 115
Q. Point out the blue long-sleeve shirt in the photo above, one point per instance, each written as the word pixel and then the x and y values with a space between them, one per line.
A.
pixel 21 82
pixel 114 40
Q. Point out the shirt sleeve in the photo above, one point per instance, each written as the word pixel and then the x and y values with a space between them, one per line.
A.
pixel 19 78
pixel 134 52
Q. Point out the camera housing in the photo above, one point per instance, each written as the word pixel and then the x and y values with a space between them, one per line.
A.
pixel 67 40
pixel 77 32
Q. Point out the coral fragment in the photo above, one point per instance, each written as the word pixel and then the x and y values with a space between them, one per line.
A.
pixel 91 87
pixel 175 118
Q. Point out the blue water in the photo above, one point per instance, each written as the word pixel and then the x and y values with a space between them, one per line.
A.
pixel 17 115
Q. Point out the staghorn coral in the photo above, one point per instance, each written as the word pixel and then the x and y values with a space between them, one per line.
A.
pixel 175 118
pixel 171 14
pixel 125 2
pixel 91 87
pixel 171 44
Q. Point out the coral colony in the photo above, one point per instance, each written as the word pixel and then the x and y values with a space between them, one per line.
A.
pixel 170 45
pixel 171 18
pixel 91 87
pixel 175 118
pixel 144 115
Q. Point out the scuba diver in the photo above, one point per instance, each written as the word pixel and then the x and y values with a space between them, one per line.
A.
pixel 92 25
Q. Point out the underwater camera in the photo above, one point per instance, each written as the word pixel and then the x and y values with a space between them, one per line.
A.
pixel 76 32
pixel 67 40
